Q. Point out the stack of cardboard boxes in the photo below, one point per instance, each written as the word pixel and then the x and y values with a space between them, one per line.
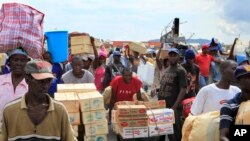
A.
pixel 93 116
pixel 85 106
pixel 82 44
pixel 146 119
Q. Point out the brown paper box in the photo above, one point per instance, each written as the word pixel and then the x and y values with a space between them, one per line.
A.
pixel 91 101
pixel 75 128
pixel 69 100
pixel 80 40
pixel 133 132
pixel 131 109
pixel 138 47
pixel 78 88
pixel 98 128
pixel 93 116
pixel 155 104
pixel 132 122
pixel 161 129
pixel 96 138
pixel 84 48
pixel 74 118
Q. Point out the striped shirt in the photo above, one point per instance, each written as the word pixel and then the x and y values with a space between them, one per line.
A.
pixel 229 111
pixel 17 126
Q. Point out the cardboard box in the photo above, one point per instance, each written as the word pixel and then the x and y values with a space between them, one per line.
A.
pixel 80 40
pixel 96 138
pixel 132 122
pixel 75 128
pixel 155 104
pixel 98 128
pixel 133 132
pixel 78 88
pixel 138 47
pixel 79 49
pixel 131 109
pixel 74 118
pixel 160 116
pixel 161 129
pixel 115 128
pixel 113 116
pixel 93 116
pixel 69 100
pixel 91 101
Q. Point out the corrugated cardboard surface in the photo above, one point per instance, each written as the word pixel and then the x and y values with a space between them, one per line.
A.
pixel 69 100
pixel 98 128
pixel 84 48
pixel 78 88
pixel 93 116
pixel 91 101
pixel 161 129
pixel 131 109
pixel 133 132
pixel 96 138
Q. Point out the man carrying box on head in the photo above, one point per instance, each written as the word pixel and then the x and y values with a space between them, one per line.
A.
pixel 36 116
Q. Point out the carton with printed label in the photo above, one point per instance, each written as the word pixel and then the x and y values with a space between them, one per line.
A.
pixel 97 128
pixel 93 116
pixel 91 101
pixel 160 116
pixel 161 129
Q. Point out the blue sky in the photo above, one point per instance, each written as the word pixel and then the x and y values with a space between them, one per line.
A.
pixel 142 20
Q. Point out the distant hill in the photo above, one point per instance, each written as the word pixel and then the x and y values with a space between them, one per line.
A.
pixel 189 41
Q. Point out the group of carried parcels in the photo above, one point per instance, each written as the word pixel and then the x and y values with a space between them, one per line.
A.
pixel 142 119
pixel 85 106
pixel 81 43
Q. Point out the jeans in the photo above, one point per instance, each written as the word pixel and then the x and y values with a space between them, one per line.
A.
pixel 203 81
pixel 215 71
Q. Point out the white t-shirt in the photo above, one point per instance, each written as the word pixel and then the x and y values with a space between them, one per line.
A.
pixel 209 98
pixel 69 78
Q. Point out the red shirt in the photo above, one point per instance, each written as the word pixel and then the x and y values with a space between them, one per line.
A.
pixel 124 91
pixel 203 61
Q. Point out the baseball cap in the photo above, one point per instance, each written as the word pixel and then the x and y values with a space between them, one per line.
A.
pixel 39 69
pixel 103 53
pixel 91 57
pixel 242 71
pixel 116 53
pixel 204 46
pixel 240 58
pixel 19 51
pixel 173 50
pixel 189 54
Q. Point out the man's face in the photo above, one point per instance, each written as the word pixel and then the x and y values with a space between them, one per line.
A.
pixel 47 57
pixel 38 87
pixel 173 58
pixel 86 64
pixel 190 61
pixel 127 76
pixel 77 66
pixel 17 63
pixel 116 58
pixel 205 51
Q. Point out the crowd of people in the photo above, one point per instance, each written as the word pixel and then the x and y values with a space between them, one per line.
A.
pixel 27 86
